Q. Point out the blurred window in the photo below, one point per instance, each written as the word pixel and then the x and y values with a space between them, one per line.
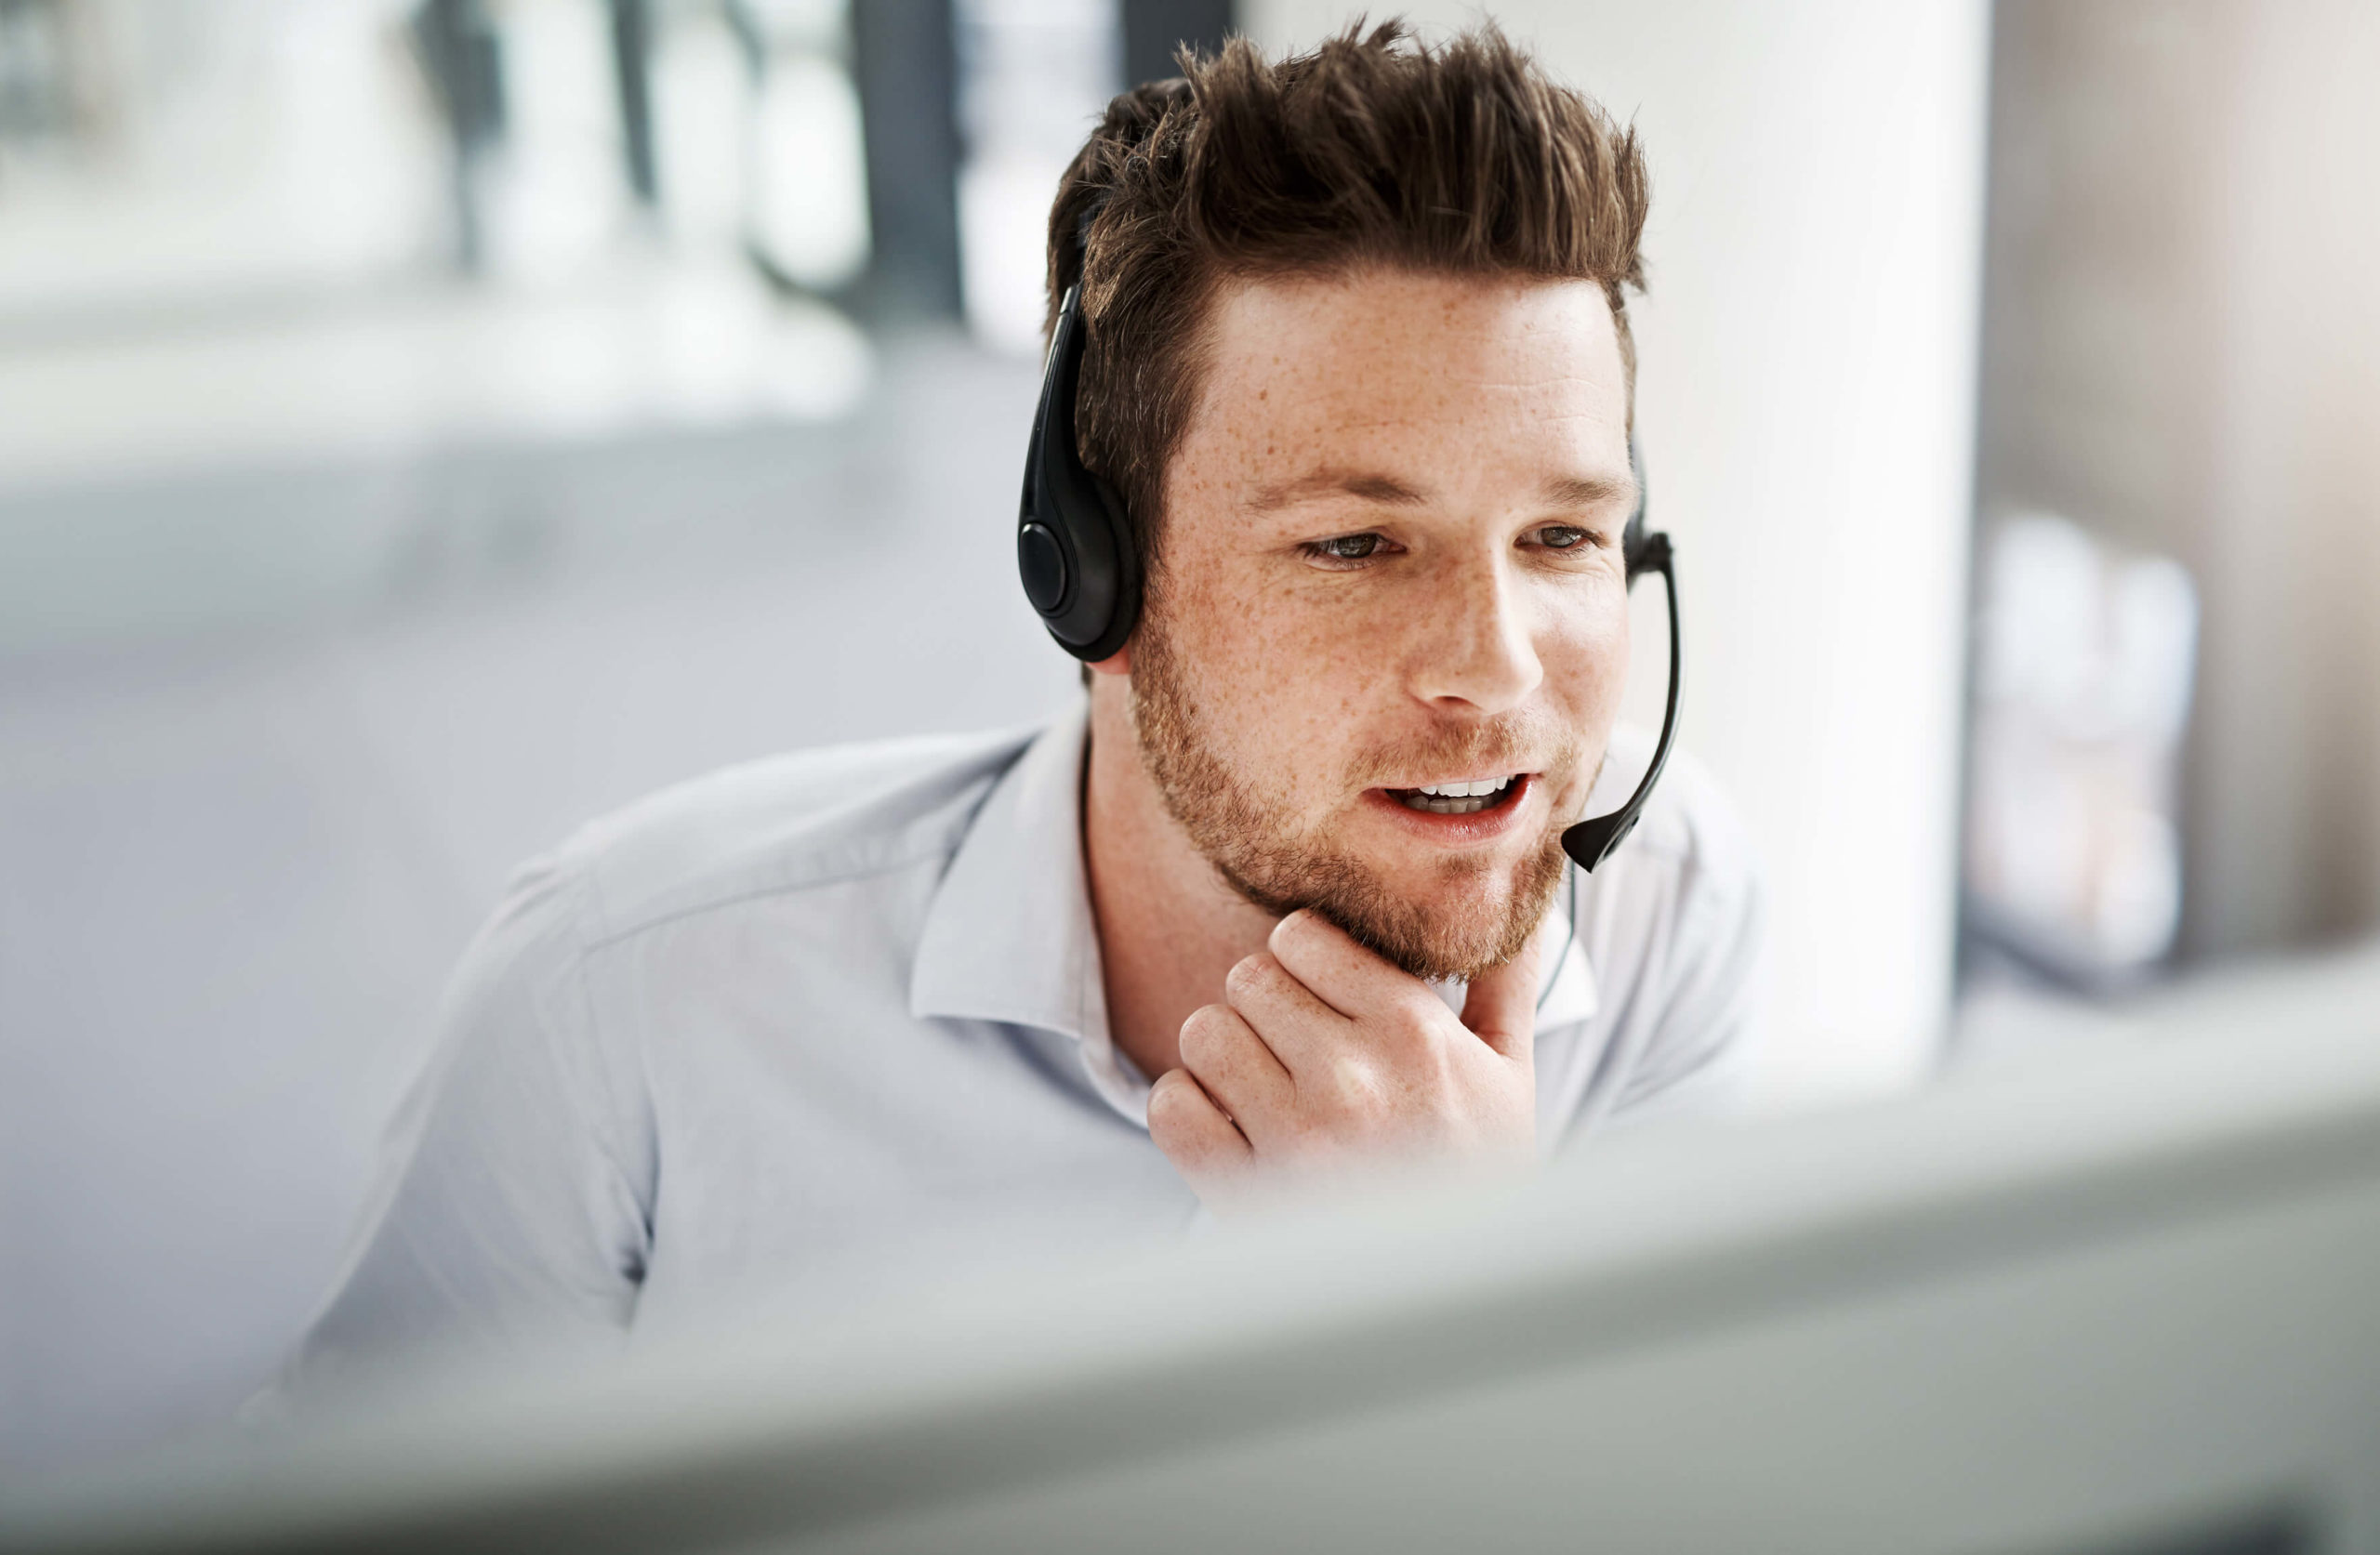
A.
pixel 159 156
pixel 2083 695
pixel 243 234
pixel 808 201
pixel 1035 76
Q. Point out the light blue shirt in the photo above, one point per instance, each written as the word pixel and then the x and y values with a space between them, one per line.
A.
pixel 837 1017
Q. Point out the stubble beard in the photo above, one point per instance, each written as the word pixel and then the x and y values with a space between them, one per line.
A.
pixel 1281 870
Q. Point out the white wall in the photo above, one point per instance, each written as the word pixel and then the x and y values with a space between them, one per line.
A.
pixel 1806 409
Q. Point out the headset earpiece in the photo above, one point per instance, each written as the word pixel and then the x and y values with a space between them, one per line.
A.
pixel 1075 549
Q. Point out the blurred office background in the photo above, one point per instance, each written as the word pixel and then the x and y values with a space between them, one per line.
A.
pixel 426 424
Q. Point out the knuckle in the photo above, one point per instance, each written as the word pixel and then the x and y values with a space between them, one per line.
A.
pixel 1418 1016
pixel 1249 974
pixel 1169 1098
pixel 1203 1034
pixel 1300 929
pixel 1358 1087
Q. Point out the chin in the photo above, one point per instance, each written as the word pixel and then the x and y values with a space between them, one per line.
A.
pixel 1457 924
pixel 1480 898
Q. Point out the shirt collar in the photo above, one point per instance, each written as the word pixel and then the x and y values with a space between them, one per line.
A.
pixel 1566 984
pixel 1010 935
pixel 1567 989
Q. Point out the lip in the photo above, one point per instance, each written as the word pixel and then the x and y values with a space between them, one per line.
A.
pixel 1460 831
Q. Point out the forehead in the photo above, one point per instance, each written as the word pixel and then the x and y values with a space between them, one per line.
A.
pixel 1405 365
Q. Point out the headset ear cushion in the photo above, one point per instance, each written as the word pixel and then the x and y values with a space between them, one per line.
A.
pixel 1125 611
pixel 1075 545
pixel 1041 563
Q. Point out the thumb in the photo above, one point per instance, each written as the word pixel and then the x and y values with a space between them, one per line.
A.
pixel 1500 1005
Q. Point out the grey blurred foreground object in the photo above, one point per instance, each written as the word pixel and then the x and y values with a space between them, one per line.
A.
pixel 2130 1303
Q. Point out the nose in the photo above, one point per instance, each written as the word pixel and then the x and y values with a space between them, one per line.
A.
pixel 1474 646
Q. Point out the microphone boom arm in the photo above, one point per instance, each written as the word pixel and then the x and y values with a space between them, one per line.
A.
pixel 1592 841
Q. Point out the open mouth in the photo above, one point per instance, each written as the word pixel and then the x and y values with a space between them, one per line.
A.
pixel 1460 799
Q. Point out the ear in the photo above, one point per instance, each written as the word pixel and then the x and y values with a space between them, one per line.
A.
pixel 1118 663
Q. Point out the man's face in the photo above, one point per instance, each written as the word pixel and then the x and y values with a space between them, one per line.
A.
pixel 1390 560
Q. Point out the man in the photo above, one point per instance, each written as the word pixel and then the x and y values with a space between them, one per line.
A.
pixel 1358 367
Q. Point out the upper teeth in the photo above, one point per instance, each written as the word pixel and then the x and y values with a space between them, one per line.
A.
pixel 1465 790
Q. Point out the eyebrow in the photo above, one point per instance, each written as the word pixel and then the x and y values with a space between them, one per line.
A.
pixel 1370 486
pixel 1571 490
pixel 1564 491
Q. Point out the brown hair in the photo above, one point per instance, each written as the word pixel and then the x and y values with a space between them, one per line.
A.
pixel 1373 150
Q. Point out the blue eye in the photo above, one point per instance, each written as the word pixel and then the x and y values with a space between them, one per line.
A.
pixel 1347 548
pixel 1562 537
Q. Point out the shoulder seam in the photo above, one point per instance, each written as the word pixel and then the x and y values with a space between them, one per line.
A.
pixel 783 888
pixel 791 865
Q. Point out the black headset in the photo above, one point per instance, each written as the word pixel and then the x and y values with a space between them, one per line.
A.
pixel 1081 569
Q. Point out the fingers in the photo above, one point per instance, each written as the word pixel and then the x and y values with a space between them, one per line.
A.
pixel 1296 1027
pixel 1500 1006
pixel 1326 1057
pixel 1235 1067
pixel 1351 980
pixel 1193 1133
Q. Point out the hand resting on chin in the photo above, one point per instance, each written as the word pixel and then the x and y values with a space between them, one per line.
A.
pixel 1326 1065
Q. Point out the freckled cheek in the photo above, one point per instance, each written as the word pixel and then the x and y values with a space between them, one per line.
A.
pixel 1586 664
pixel 1285 684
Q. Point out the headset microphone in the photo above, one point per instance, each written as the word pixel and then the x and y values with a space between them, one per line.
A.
pixel 1081 570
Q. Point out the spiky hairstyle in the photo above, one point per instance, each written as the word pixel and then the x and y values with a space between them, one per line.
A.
pixel 1373 150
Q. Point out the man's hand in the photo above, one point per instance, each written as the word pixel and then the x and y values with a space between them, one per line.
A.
pixel 1326 1060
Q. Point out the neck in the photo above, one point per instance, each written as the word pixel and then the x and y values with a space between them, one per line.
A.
pixel 1169 925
